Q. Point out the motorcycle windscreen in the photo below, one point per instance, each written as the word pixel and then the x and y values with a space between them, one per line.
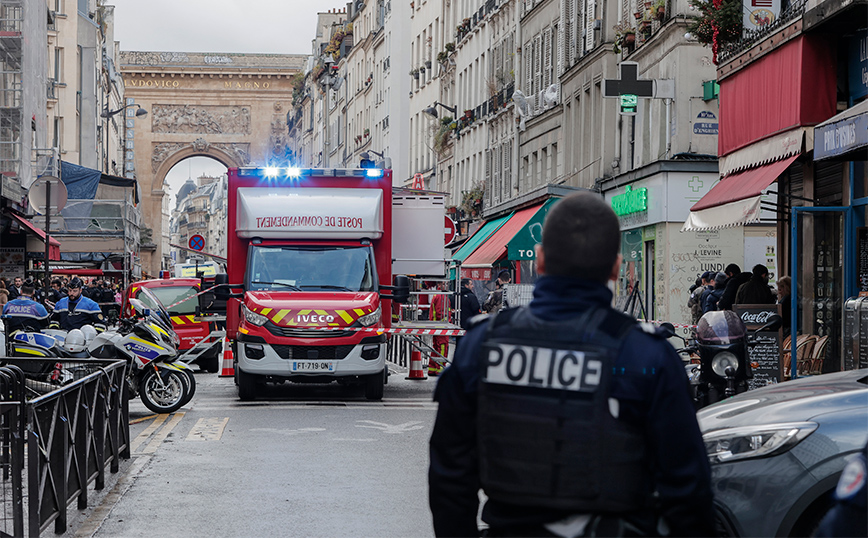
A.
pixel 720 327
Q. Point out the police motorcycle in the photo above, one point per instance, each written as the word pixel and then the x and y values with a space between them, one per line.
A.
pixel 722 342
pixel 149 345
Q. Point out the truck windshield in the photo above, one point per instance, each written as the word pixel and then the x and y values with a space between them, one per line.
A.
pixel 309 268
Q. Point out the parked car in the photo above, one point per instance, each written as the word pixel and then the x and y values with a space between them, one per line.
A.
pixel 191 332
pixel 777 452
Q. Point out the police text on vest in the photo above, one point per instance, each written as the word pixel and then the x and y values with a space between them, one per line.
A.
pixel 530 366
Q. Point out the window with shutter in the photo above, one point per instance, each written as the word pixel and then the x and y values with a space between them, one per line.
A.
pixel 589 24
pixel 497 178
pixel 507 168
pixel 547 59
pixel 561 37
pixel 528 68
pixel 537 63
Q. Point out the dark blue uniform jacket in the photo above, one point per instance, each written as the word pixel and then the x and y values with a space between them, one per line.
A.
pixel 652 389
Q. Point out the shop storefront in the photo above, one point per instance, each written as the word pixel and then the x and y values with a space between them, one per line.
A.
pixel 23 248
pixel 662 260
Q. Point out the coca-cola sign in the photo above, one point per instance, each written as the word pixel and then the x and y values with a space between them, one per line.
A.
pixel 756 318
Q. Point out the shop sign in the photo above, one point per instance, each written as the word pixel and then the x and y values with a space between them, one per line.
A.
pixel 840 137
pixel 706 123
pixel 760 13
pixel 632 201
pixel 858 65
pixel 476 274
pixel 11 188
pixel 11 262
pixel 765 354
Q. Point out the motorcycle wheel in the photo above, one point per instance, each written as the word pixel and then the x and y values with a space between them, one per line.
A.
pixel 191 386
pixel 163 395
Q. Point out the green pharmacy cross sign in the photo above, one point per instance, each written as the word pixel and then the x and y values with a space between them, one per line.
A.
pixel 631 201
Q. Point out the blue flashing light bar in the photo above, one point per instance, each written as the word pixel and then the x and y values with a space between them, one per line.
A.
pixel 275 173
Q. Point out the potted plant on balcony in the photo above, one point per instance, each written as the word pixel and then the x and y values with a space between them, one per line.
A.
pixel 719 22
pixel 415 73
pixel 658 9
pixel 428 64
pixel 450 47
pixel 625 37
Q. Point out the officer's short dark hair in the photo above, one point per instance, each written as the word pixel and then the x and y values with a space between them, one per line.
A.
pixel 27 288
pixel 732 269
pixel 581 238
pixel 465 282
pixel 760 270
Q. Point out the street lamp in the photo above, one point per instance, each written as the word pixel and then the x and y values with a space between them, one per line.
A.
pixel 384 162
pixel 106 113
pixel 432 110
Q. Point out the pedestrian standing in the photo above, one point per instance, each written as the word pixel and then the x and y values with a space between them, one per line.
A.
pixel 756 290
pixel 785 300
pixel 15 289
pixel 734 279
pixel 494 301
pixel 469 303
pixel 571 417
pixel 711 299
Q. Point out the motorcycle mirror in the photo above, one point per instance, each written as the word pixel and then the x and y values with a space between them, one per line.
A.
pixel 772 324
pixel 668 329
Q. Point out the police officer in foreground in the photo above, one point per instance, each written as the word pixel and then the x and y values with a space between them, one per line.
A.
pixel 75 311
pixel 24 313
pixel 574 419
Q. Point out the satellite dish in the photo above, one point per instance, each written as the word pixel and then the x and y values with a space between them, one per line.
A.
pixel 38 195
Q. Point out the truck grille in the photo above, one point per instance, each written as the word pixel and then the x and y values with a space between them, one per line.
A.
pixel 294 332
pixel 313 352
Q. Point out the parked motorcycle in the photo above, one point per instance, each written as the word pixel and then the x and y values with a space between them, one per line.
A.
pixel 722 342
pixel 150 346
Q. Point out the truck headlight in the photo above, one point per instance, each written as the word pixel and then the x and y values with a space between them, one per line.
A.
pixel 370 319
pixel 749 442
pixel 252 317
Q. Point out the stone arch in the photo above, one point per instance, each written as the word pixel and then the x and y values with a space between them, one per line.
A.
pixel 220 155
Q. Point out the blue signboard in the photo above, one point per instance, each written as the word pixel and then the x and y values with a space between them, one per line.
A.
pixel 858 65
pixel 841 137
pixel 706 123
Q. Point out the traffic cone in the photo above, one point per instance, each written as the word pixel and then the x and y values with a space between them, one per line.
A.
pixel 416 369
pixel 228 369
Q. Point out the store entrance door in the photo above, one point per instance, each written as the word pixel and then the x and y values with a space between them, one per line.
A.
pixel 822 273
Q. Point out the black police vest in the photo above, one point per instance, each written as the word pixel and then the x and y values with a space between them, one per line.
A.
pixel 546 435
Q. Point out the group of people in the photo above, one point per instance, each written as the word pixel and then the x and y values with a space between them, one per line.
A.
pixel 721 291
pixel 28 307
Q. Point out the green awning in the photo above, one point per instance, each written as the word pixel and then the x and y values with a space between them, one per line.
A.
pixel 478 238
pixel 521 246
pixel 483 233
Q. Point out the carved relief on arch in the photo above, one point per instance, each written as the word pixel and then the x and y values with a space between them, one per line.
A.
pixel 236 153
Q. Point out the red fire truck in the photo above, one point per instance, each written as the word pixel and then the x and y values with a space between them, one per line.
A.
pixel 310 269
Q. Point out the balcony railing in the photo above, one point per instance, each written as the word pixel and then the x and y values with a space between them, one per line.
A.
pixel 752 37
pixel 488 107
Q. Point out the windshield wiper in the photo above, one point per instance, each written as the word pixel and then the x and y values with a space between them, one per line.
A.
pixel 290 286
pixel 327 287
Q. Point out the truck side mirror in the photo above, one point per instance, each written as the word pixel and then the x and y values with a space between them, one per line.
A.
pixel 221 293
pixel 401 289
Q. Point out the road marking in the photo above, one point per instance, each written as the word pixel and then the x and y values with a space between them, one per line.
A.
pixel 162 434
pixel 142 419
pixel 288 432
pixel 391 428
pixel 208 429
pixel 142 437
pixel 366 440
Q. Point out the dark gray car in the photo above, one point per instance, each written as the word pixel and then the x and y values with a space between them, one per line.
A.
pixel 777 452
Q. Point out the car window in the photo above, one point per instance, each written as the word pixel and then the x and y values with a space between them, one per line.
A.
pixel 169 295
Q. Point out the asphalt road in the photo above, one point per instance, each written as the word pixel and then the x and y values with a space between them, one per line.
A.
pixel 302 461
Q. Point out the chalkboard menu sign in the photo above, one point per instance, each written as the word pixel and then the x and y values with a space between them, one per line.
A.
pixel 765 357
pixel 862 257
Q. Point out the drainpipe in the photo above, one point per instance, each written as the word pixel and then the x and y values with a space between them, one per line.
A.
pixel 516 153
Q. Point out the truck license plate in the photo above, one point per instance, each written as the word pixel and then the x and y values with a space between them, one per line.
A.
pixel 312 366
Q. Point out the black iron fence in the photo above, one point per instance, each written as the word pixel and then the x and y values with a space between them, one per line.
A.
pixel 61 440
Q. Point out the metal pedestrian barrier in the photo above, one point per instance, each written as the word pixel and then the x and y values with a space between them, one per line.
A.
pixel 54 444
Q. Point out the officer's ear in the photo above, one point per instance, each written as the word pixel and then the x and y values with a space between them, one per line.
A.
pixel 540 260
pixel 616 269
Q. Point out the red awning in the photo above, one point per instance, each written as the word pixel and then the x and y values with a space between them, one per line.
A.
pixel 743 184
pixel 791 87
pixel 78 272
pixel 494 247
pixel 54 244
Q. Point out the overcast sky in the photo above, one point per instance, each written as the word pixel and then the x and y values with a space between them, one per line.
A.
pixel 255 26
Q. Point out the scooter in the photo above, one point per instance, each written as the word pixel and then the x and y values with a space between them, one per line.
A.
pixel 163 384
pixel 722 342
